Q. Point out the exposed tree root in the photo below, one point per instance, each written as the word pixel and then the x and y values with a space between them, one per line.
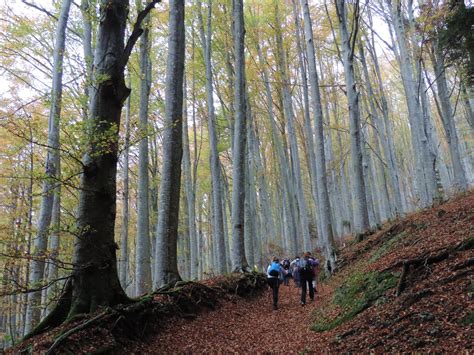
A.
pixel 58 315
pixel 432 259
pixel 131 322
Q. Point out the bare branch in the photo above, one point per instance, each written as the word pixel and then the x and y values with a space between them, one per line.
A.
pixel 137 31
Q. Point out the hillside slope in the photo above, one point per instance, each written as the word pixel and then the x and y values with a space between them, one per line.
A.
pixel 409 287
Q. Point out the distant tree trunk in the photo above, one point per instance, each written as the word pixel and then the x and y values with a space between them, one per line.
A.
pixel 283 164
pixel 142 246
pixel 168 212
pixel 264 199
pixel 380 136
pixel 123 263
pixel 361 218
pixel 290 118
pixel 190 196
pixel 447 118
pixel 51 182
pixel 307 116
pixel 239 262
pixel 217 216
pixel 424 169
pixel 252 240
pixel 323 195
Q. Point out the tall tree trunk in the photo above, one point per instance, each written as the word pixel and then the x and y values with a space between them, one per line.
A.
pixel 323 195
pixel 95 278
pixel 239 262
pixel 290 122
pixel 51 182
pixel 447 118
pixel 54 243
pixel 217 216
pixel 167 229
pixel 250 232
pixel 307 116
pixel 361 218
pixel 190 196
pixel 123 261
pixel 142 246
pixel 424 171
pixel 380 127
pixel 283 163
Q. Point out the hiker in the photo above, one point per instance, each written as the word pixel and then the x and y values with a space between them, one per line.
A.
pixel 305 269
pixel 294 270
pixel 285 264
pixel 274 273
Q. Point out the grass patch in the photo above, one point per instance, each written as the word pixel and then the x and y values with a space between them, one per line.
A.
pixel 359 292
pixel 468 319
pixel 385 247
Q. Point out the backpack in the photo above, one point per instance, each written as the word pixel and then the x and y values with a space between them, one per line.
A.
pixel 286 264
pixel 305 268
pixel 274 270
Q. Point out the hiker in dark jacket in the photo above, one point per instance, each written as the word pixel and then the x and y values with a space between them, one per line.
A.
pixel 305 269
pixel 274 273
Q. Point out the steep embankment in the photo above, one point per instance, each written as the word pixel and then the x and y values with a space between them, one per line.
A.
pixel 374 301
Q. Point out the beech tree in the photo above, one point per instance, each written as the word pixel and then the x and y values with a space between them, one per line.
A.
pixel 166 263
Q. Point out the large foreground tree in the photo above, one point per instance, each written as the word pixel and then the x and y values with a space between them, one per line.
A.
pixel 94 282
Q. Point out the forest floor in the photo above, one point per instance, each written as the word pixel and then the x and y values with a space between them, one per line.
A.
pixel 407 287
pixel 370 304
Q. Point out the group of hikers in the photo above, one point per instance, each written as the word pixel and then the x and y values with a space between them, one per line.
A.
pixel 303 271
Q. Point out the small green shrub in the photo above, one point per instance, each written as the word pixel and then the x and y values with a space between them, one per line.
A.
pixel 468 319
pixel 385 248
pixel 359 292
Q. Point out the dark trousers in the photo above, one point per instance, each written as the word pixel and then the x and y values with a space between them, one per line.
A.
pixel 306 282
pixel 274 283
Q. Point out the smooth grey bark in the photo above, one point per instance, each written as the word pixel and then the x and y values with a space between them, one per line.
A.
pixel 288 211
pixel 239 262
pixel 348 222
pixel 297 186
pixel 385 132
pixel 54 244
pixel 216 193
pixel 167 229
pixel 190 196
pixel 143 282
pixel 447 118
pixel 307 116
pixel 424 171
pixel 368 181
pixel 269 231
pixel 380 136
pixel 321 178
pixel 51 181
pixel 123 266
pixel 252 240
pixel 361 218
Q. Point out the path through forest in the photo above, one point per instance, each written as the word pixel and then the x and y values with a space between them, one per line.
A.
pixel 243 325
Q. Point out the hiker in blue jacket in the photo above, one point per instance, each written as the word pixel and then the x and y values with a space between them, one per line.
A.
pixel 274 273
